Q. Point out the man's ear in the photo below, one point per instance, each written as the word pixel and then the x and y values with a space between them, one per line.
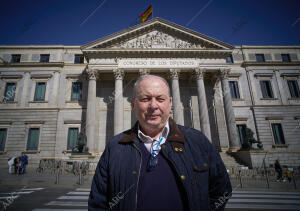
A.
pixel 132 103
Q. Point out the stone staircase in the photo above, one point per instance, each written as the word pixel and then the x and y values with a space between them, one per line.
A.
pixel 230 161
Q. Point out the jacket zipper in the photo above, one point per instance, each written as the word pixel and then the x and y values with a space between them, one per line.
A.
pixel 137 185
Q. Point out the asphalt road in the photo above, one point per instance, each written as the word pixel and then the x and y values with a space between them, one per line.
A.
pixel 56 198
pixel 28 198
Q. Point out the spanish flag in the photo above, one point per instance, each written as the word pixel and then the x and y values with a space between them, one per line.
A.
pixel 145 15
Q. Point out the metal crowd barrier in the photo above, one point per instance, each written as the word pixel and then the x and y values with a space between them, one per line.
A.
pixel 263 177
pixel 62 167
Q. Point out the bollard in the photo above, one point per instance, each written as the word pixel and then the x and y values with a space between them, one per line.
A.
pixel 240 177
pixel 58 164
pixel 57 177
pixel 267 178
pixel 267 174
pixel 80 178
pixel 294 181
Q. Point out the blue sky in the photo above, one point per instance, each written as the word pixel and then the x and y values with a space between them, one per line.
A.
pixel 75 22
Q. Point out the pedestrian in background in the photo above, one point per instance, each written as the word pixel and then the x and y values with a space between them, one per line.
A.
pixel 17 164
pixel 288 175
pixel 24 162
pixel 10 164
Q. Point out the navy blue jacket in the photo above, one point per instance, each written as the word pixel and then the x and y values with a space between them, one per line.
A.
pixel 197 164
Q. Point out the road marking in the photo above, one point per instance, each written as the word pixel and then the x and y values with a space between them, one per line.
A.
pixel 262 206
pixel 267 192
pixel 83 189
pixel 9 197
pixel 32 189
pixel 19 192
pixel 265 196
pixel 74 197
pixel 47 209
pixel 266 201
pixel 78 193
pixel 68 203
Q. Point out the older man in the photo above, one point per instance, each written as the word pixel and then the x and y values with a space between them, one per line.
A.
pixel 158 165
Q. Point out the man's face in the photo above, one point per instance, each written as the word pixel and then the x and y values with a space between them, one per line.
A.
pixel 152 104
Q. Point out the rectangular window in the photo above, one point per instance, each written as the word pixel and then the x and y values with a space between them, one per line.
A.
pixel 278 133
pixel 72 138
pixel 229 59
pixel 76 91
pixel 15 58
pixel 294 88
pixel 285 57
pixel 44 57
pixel 40 90
pixel 78 59
pixel 3 132
pixel 241 130
pixel 260 57
pixel 266 89
pixel 9 94
pixel 33 139
pixel 234 89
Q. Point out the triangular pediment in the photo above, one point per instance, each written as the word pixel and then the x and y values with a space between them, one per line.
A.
pixel 157 34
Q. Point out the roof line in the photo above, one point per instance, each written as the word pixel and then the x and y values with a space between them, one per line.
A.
pixel 152 21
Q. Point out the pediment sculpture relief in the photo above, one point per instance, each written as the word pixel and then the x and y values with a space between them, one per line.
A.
pixel 157 39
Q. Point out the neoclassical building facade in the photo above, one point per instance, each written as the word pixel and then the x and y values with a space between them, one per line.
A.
pixel 51 93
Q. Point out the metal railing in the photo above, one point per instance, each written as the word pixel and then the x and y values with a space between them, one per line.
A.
pixel 263 177
pixel 62 167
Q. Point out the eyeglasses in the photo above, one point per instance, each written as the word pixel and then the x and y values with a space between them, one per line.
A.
pixel 153 160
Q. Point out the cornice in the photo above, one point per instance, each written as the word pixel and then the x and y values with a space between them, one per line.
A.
pixel 37 76
pixel 173 50
pixel 235 75
pixel 274 118
pixel 40 47
pixel 268 47
pixel 33 64
pixel 290 74
pixel 272 63
pixel 74 75
pixel 14 76
pixel 72 121
pixel 34 122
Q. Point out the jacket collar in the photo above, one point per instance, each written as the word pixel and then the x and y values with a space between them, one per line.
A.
pixel 176 137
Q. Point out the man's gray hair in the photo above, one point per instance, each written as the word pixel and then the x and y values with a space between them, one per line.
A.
pixel 143 77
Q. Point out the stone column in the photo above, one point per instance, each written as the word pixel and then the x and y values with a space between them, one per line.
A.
pixel 119 106
pixel 91 110
pixel 143 72
pixel 202 103
pixel 24 98
pixel 177 111
pixel 55 89
pixel 229 113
